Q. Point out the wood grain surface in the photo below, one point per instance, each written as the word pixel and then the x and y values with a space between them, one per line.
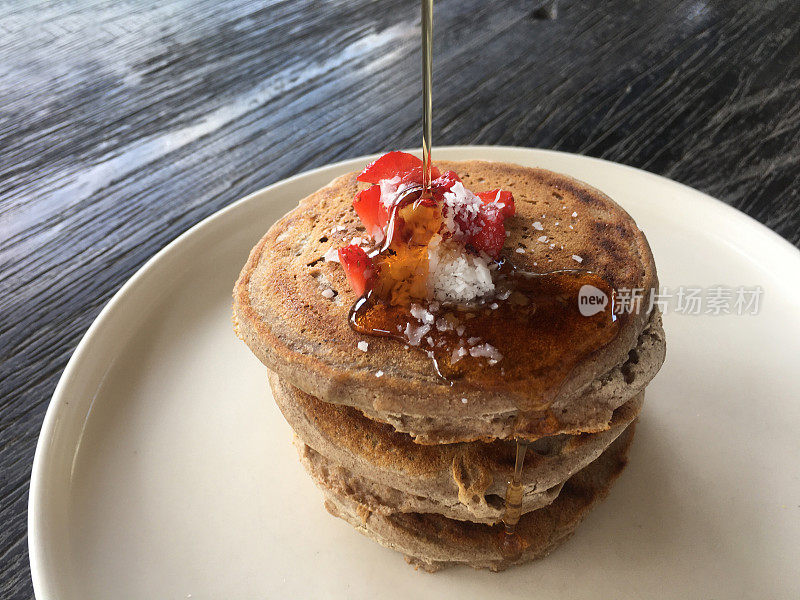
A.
pixel 123 123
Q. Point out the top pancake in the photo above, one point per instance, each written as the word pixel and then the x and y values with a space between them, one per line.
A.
pixel 280 312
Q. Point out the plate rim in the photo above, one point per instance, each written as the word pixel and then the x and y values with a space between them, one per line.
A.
pixel 42 580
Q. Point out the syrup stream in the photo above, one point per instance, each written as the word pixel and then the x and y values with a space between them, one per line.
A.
pixel 427 94
pixel 514 491
pixel 510 544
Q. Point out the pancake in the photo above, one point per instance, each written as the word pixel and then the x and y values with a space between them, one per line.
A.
pixel 590 412
pixel 432 541
pixel 280 312
pixel 462 480
pixel 385 500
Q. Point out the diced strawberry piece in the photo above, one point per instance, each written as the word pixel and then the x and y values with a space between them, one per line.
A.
pixel 371 211
pixel 357 267
pixel 389 165
pixel 491 234
pixel 392 164
pixel 415 175
pixel 444 182
pixel 502 197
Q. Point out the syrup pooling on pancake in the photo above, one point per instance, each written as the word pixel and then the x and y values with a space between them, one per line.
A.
pixel 435 279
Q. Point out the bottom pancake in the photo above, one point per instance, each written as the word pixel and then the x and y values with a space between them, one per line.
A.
pixel 432 541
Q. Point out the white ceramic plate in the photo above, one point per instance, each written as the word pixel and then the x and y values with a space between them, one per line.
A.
pixel 165 470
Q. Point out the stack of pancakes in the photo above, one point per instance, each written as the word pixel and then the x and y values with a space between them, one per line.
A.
pixel 421 464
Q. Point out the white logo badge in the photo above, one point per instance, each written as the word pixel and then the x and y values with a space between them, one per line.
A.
pixel 591 300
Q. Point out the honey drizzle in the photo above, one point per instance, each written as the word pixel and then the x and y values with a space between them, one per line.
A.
pixel 427 94
pixel 515 490
pixel 402 262
pixel 511 544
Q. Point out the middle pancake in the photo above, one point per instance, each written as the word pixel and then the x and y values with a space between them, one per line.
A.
pixel 465 481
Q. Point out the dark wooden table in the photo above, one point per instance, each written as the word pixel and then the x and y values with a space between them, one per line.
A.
pixel 123 124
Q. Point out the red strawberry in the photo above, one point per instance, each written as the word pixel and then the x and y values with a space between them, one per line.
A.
pixel 389 165
pixel 371 211
pixel 392 164
pixel 443 183
pixel 502 197
pixel 492 233
pixel 358 268
pixel 414 176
